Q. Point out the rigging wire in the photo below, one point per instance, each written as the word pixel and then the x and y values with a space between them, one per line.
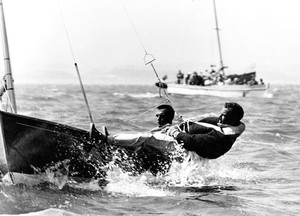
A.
pixel 146 53
pixel 76 66
pixel 150 61
pixel 143 113
pixel 133 26
pixel 160 84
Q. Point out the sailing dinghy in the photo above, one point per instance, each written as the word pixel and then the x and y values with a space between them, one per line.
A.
pixel 37 146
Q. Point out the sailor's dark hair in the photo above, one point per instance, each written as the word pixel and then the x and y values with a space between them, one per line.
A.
pixel 235 109
pixel 169 108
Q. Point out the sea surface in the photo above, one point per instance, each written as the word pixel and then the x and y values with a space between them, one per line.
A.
pixel 260 175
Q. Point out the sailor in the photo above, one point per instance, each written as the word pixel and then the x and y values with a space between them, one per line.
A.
pixel 165 115
pixel 151 150
pixel 211 137
pixel 156 137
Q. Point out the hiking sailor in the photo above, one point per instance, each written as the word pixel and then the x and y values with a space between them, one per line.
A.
pixel 211 137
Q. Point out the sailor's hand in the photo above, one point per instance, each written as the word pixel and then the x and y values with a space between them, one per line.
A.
pixel 184 126
pixel 173 131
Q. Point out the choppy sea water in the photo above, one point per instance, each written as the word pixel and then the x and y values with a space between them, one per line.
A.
pixel 260 175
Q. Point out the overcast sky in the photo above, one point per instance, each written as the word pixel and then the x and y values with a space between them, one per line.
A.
pixel 109 39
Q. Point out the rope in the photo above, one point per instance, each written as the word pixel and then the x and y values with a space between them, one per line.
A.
pixel 152 108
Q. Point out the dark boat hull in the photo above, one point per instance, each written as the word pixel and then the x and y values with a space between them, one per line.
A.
pixel 34 146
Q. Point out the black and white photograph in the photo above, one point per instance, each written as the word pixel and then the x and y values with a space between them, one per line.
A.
pixel 149 107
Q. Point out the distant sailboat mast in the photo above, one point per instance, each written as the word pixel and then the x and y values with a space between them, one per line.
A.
pixel 9 86
pixel 218 37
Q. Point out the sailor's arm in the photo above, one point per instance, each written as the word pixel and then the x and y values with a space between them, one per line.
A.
pixel 193 142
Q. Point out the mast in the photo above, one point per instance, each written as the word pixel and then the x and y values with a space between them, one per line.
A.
pixel 218 37
pixel 9 85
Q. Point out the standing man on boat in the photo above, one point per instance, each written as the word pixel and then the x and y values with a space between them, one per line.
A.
pixel 211 137
pixel 180 76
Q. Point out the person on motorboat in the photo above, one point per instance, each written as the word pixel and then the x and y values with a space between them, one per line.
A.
pixel 180 77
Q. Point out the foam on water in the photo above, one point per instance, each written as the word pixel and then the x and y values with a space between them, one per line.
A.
pixel 47 212
pixel 31 180
pixel 122 183
pixel 136 95
pixel 193 171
